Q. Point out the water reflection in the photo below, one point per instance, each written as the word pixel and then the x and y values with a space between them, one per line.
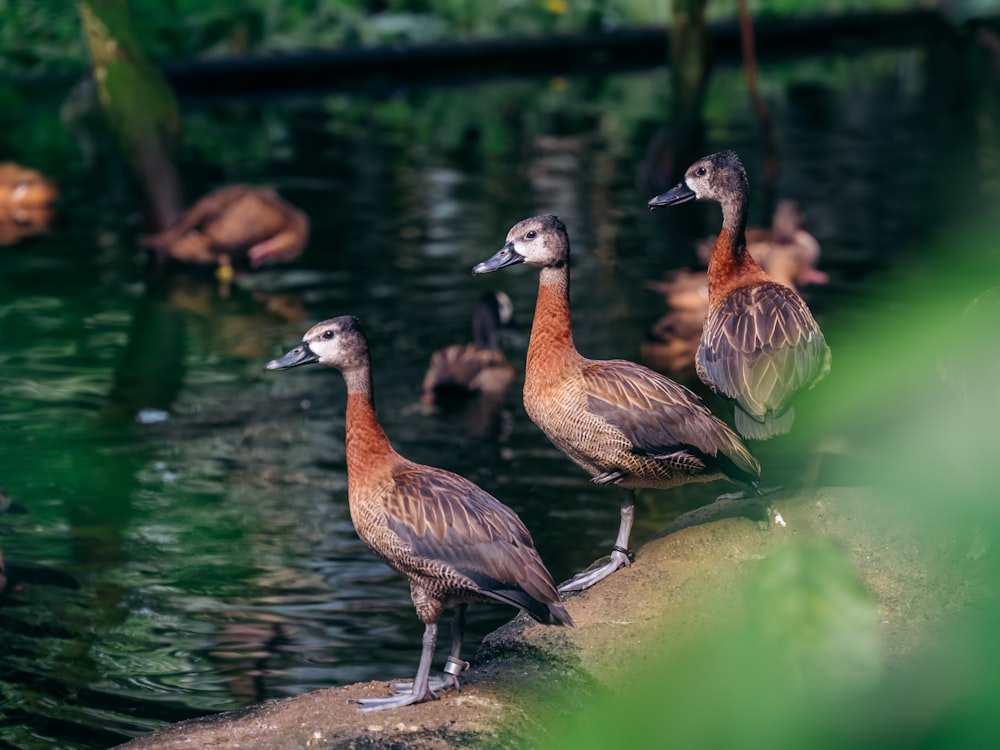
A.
pixel 213 550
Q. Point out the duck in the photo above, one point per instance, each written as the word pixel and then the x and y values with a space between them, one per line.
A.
pixel 26 202
pixel 462 370
pixel 453 541
pixel 760 345
pixel 235 222
pixel 621 422
pixel 785 250
pixel 24 186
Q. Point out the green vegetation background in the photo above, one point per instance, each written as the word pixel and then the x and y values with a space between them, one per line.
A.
pixel 44 35
pixel 764 678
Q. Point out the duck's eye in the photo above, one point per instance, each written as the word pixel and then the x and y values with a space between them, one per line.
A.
pixel 530 234
pixel 328 334
pixel 701 171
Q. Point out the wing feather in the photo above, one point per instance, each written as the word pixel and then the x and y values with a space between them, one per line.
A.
pixel 760 347
pixel 446 523
pixel 663 419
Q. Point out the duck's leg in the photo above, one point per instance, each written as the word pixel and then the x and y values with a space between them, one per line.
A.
pixel 766 515
pixel 224 274
pixel 454 666
pixel 421 683
pixel 273 248
pixel 619 554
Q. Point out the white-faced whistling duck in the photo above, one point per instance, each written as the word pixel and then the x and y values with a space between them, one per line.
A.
pixel 760 345
pixel 785 250
pixel 621 422
pixel 463 370
pixel 232 222
pixel 454 542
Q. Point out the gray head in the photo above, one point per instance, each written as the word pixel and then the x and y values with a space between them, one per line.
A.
pixel 337 342
pixel 495 309
pixel 788 219
pixel 540 241
pixel 718 177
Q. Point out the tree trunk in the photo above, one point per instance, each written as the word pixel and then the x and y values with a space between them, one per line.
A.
pixel 138 103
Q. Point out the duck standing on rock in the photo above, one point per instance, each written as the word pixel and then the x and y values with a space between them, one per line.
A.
pixel 622 423
pixel 786 251
pixel 232 222
pixel 760 345
pixel 454 542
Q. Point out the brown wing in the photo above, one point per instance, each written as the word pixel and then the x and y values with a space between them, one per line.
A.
pixel 446 520
pixel 760 347
pixel 662 418
pixel 200 216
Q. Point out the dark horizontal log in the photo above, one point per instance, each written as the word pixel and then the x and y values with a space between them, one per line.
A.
pixel 393 66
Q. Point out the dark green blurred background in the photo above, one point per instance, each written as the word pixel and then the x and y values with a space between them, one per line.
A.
pixel 176 523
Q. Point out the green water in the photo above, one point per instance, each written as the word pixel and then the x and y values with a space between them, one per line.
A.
pixel 179 528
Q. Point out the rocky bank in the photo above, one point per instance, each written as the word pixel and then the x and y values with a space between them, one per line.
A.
pixel 690 570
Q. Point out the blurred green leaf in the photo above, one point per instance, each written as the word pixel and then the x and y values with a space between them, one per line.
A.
pixel 807 607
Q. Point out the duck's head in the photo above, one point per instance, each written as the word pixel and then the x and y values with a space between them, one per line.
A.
pixel 337 342
pixel 540 241
pixel 498 306
pixel 788 219
pixel 716 177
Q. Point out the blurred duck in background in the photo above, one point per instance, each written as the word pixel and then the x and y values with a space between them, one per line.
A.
pixel 460 371
pixel 26 203
pixel 238 224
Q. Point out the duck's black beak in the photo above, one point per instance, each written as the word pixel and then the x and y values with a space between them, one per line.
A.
pixel 300 355
pixel 680 193
pixel 507 256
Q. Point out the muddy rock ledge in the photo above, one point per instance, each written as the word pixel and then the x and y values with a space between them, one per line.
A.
pixel 674 579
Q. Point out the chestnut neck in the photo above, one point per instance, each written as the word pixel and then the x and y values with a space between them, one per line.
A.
pixel 731 265
pixel 367 444
pixel 552 327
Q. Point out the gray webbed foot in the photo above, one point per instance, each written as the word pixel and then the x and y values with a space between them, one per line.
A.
pixel 590 576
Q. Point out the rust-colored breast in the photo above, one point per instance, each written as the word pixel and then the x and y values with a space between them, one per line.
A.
pixel 452 540
pixel 728 270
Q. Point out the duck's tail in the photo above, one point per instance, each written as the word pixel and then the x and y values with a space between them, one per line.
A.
pixel 771 425
pixel 546 612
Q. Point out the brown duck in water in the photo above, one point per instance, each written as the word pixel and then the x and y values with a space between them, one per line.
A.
pixel 26 198
pixel 462 370
pixel 233 222
pixel 760 345
pixel 622 423
pixel 453 541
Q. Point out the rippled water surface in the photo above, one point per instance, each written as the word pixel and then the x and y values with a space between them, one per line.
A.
pixel 179 532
